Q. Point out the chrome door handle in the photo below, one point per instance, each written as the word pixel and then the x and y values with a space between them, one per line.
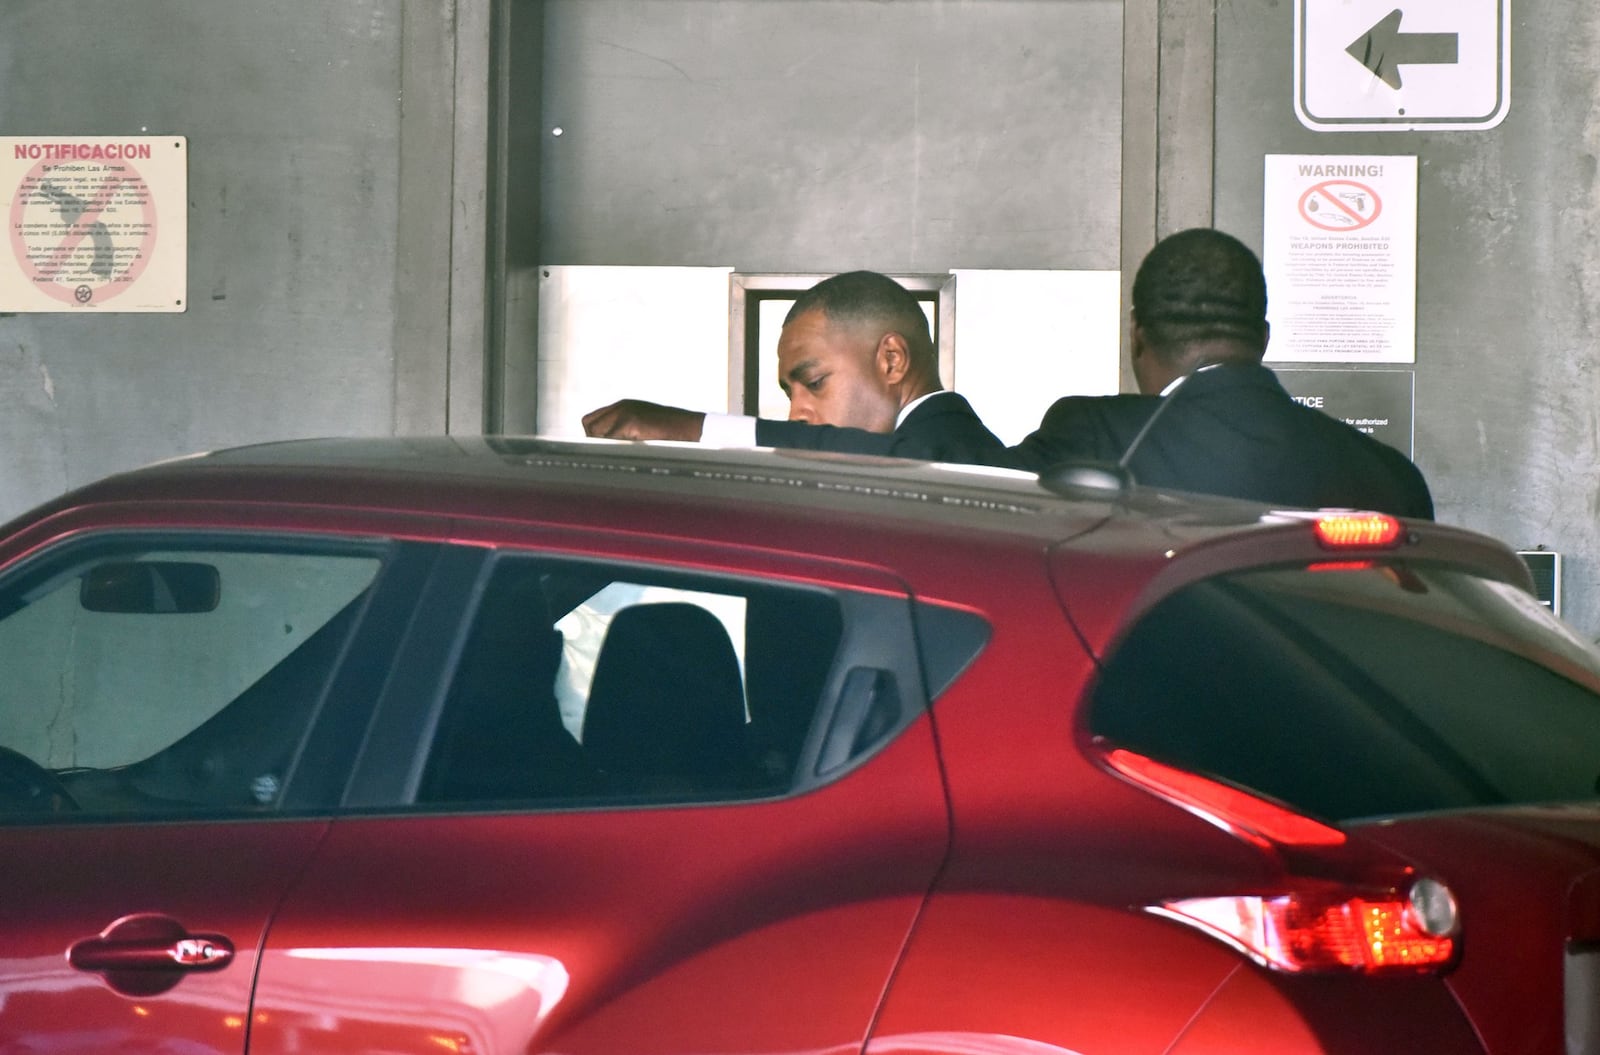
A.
pixel 148 942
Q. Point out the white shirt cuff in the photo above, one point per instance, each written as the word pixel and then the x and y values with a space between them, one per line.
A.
pixel 728 430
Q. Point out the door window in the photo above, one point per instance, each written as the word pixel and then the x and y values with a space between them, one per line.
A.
pixel 585 683
pixel 154 677
pixel 582 682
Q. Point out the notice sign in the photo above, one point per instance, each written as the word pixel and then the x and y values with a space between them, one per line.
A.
pixel 94 223
pixel 1340 251
pixel 1378 402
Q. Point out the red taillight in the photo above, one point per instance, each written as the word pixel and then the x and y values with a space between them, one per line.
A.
pixel 1321 932
pixel 1317 925
pixel 1231 809
pixel 1356 530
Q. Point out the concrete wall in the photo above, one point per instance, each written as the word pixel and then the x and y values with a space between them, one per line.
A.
pixel 1508 272
pixel 826 135
pixel 320 228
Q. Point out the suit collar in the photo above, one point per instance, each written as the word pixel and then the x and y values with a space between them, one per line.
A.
pixel 921 401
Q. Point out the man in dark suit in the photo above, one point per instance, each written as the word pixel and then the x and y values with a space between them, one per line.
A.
pixel 857 362
pixel 1212 418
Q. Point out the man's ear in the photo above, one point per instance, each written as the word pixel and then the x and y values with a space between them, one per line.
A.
pixel 1141 356
pixel 1150 371
pixel 893 358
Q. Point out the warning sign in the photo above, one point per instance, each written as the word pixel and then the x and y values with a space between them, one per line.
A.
pixel 94 223
pixel 1339 245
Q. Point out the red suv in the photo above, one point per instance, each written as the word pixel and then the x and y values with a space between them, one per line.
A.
pixel 507 745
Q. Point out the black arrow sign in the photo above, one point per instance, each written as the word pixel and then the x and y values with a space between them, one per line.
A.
pixel 1383 49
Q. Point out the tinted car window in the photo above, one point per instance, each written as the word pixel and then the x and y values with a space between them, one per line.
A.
pixel 145 678
pixel 1355 692
pixel 579 682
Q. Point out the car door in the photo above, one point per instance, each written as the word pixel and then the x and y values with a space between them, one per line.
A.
pixel 662 803
pixel 162 693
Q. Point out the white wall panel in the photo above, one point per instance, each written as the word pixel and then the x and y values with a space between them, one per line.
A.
pixel 606 333
pixel 1026 338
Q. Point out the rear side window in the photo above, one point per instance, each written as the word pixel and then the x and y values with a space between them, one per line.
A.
pixel 581 683
pixel 1352 692
pixel 146 678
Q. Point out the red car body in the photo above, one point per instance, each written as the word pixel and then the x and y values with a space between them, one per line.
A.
pixel 984 834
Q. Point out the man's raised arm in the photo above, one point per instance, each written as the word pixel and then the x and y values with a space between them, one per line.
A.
pixel 638 419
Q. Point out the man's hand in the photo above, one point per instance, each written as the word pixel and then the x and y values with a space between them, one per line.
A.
pixel 635 419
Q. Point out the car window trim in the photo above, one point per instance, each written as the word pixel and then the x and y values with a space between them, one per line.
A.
pixel 878 632
pixel 388 766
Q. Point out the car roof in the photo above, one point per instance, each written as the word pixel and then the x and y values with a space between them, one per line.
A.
pixel 798 501
pixel 451 475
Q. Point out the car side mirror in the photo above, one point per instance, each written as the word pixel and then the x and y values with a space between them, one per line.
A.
pixel 158 587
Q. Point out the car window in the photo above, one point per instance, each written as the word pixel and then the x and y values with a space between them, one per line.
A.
pixel 584 682
pixel 150 678
pixel 1361 691
pixel 583 630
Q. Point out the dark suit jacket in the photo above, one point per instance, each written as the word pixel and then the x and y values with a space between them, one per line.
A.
pixel 942 428
pixel 1233 430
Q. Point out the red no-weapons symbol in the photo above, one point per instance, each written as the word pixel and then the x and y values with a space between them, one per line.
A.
pixel 1340 205
pixel 83 232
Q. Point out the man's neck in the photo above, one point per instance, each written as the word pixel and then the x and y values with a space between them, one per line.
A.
pixel 1214 352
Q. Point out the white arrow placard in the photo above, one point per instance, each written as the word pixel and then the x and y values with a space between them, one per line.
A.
pixel 1402 65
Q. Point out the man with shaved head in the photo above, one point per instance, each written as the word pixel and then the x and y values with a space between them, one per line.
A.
pixel 859 367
